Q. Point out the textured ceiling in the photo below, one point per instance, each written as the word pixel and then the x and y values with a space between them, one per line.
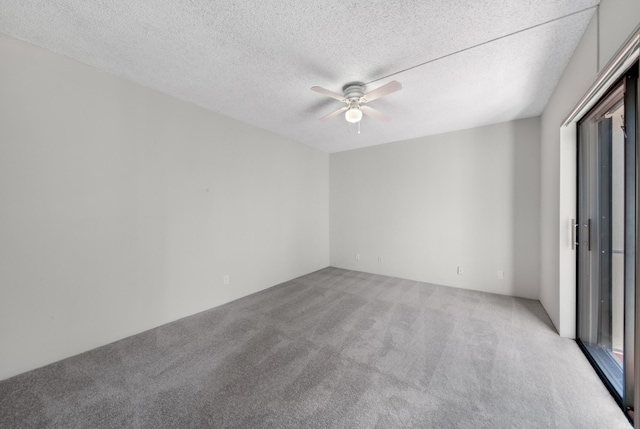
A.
pixel 462 63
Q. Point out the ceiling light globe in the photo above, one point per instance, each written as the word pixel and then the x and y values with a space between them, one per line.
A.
pixel 353 115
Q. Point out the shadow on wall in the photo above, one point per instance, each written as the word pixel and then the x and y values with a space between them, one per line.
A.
pixel 526 205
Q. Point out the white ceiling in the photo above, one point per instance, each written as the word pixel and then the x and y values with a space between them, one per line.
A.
pixel 462 63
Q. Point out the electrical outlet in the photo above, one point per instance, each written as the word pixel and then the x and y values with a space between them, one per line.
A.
pixel 380 259
pixel 357 256
pixel 226 279
pixel 460 271
pixel 500 274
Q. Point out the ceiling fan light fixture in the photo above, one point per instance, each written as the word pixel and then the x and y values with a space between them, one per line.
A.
pixel 353 115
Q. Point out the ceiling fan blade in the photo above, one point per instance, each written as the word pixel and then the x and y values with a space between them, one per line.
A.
pixel 334 113
pixel 388 88
pixel 328 93
pixel 375 113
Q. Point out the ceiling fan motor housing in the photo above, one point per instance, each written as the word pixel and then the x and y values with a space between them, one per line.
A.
pixel 353 91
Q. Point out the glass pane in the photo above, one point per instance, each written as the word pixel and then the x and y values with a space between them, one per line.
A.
pixel 617 239
pixel 601 234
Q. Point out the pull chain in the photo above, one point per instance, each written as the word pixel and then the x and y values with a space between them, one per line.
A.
pixel 349 127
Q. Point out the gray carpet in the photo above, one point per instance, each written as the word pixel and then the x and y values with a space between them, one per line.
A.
pixel 333 349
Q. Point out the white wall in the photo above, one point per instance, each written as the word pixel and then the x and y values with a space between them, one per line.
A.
pixel 468 198
pixel 123 208
pixel 618 19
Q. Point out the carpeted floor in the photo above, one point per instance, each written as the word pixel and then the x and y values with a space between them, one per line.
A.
pixel 333 349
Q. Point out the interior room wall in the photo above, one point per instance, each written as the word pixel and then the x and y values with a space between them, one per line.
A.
pixel 123 209
pixel 610 27
pixel 427 206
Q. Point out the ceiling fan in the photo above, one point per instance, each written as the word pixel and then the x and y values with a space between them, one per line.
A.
pixel 355 98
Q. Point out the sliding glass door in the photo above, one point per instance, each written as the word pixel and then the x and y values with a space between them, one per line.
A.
pixel 606 236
